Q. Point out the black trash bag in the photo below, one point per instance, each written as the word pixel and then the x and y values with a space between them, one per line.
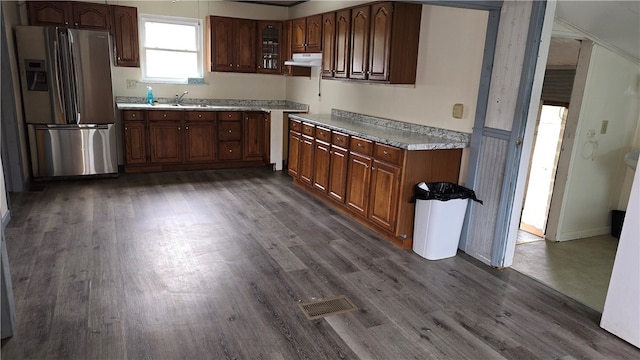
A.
pixel 443 191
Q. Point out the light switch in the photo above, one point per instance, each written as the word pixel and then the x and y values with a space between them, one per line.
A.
pixel 131 84
pixel 604 126
pixel 457 111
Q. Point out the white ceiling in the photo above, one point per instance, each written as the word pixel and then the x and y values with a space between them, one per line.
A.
pixel 614 24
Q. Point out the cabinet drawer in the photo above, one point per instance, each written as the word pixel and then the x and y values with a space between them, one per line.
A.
pixel 230 150
pixel 340 139
pixel 361 146
pixel 295 125
pixel 200 115
pixel 308 129
pixel 164 115
pixel 229 130
pixel 229 115
pixel 387 153
pixel 132 115
pixel 323 134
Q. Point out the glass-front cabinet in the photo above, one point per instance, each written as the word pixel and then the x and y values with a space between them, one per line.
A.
pixel 270 47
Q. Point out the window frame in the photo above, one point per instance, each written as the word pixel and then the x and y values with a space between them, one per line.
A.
pixel 174 20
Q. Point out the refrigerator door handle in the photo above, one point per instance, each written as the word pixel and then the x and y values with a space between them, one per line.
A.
pixel 75 83
pixel 57 95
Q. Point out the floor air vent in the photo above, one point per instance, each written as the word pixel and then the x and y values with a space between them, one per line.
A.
pixel 326 307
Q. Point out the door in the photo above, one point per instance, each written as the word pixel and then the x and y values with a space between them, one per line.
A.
pixel 199 141
pixel 134 143
pixel 91 16
pixel 359 55
pixel 125 35
pixel 49 13
pixel 322 163
pixel 253 136
pixel 380 41
pixel 358 183
pixel 383 199
pixel 338 174
pixel 222 44
pixel 293 160
pixel 328 44
pixel 244 43
pixel 298 35
pixel 342 42
pixel 314 33
pixel 90 66
pixel 165 141
pixel 270 47
pixel 306 159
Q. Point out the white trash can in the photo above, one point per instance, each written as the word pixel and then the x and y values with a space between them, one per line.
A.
pixel 437 224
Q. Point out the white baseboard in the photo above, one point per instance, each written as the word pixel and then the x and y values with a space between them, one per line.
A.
pixel 584 233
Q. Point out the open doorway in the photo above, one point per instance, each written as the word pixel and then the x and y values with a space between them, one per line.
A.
pixel 542 170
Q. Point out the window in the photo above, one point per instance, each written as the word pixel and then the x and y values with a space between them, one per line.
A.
pixel 171 48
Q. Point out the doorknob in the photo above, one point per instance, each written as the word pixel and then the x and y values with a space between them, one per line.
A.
pixel 518 141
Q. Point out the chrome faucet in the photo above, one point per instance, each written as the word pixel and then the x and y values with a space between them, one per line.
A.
pixel 179 97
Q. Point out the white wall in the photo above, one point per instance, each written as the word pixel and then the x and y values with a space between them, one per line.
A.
pixel 593 185
pixel 217 85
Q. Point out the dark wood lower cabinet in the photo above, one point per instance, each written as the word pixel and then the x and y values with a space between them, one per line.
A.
pixel 158 140
pixel 370 182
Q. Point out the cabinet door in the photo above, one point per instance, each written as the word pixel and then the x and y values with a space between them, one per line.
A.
pixel 328 44
pixel 125 35
pixel 358 183
pixel 270 47
pixel 245 45
pixel 338 174
pixel 298 35
pixel 359 43
pixel 222 44
pixel 293 160
pixel 253 136
pixel 314 33
pixel 134 143
pixel 165 141
pixel 342 42
pixel 199 141
pixel 306 159
pixel 50 13
pixel 383 199
pixel 91 16
pixel 321 167
pixel 286 47
pixel 380 41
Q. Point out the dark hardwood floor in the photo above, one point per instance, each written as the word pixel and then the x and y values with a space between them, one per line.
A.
pixel 213 264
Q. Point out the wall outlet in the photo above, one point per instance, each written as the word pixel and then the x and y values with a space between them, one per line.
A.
pixel 604 126
pixel 591 133
pixel 457 111
pixel 131 84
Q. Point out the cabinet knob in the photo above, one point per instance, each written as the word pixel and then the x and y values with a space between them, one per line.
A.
pixel 119 58
pixel 230 150
pixel 186 128
pixel 229 115
pixel 373 168
pixel 125 129
pixel 164 115
pixel 238 65
pixel 76 24
pixel 178 127
pixel 385 152
pixel 133 115
pixel 229 131
pixel 359 145
pixel 199 115
pixel 230 65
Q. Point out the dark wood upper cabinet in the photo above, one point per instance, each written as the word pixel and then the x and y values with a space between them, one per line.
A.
pixel 233 44
pixel 270 47
pixel 342 43
pixel 91 16
pixel 306 34
pixel 374 28
pixel 125 35
pixel 328 44
pixel 359 42
pixel 50 13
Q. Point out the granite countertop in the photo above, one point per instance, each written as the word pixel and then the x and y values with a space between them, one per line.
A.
pixel 391 132
pixel 125 103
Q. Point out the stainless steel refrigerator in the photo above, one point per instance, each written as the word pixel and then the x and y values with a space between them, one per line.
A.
pixel 68 104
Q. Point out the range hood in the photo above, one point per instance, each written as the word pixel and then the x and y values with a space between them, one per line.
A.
pixel 305 60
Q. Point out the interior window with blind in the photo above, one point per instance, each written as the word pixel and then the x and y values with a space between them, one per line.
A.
pixel 171 48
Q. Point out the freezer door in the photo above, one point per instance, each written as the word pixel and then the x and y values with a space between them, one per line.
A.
pixel 72 150
pixel 90 77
